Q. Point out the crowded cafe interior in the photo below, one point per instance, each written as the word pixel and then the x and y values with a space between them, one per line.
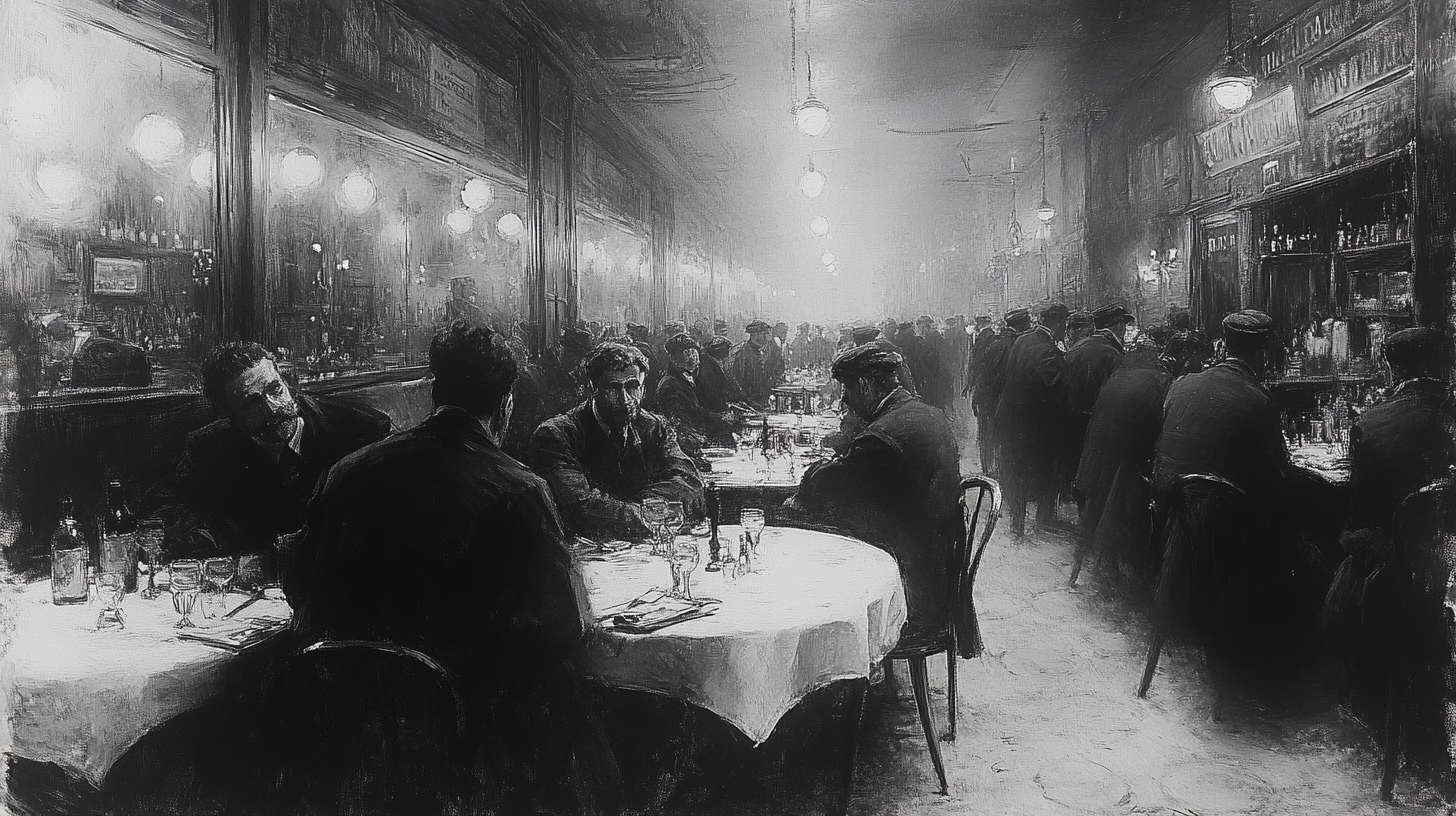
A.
pixel 687 407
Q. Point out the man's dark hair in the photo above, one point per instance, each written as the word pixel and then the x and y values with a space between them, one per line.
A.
pixel 1244 345
pixel 610 357
pixel 223 364
pixel 473 370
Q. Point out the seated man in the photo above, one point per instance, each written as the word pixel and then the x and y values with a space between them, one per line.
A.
pixel 677 399
pixel 603 457
pixel 896 486
pixel 717 389
pixel 246 479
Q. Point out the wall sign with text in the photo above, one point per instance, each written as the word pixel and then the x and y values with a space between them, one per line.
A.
pixel 1262 129
pixel 1385 50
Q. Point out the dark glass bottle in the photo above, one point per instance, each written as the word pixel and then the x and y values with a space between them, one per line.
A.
pixel 69 557
pixel 118 538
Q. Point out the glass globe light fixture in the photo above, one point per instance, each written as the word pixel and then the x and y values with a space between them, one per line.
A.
pixel 827 259
pixel 460 221
pixel 300 169
pixel 812 183
pixel 158 140
pixel 357 192
pixel 1232 85
pixel 509 225
pixel 812 116
pixel 477 194
pixel 819 226
pixel 1045 212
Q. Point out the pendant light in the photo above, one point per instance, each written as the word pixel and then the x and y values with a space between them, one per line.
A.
pixel 811 115
pixel 1231 83
pixel 1044 211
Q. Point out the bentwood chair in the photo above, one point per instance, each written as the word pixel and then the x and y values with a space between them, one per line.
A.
pixel 1207 513
pixel 1417 625
pixel 371 728
pixel 980 508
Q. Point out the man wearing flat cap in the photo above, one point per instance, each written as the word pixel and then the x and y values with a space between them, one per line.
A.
pixel 1088 365
pixel 717 390
pixel 1031 420
pixel 677 399
pixel 1079 327
pixel 757 366
pixel 990 381
pixel 1223 422
pixel 896 485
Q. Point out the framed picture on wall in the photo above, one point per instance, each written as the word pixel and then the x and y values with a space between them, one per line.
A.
pixel 119 277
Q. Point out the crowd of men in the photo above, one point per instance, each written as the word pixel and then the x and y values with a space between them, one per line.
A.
pixel 519 457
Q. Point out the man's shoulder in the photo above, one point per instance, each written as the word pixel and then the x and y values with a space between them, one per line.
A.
pixel 216 435
pixel 567 422
pixel 349 417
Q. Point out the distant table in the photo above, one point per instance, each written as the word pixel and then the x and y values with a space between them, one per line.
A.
pixel 80 698
pixel 1329 462
pixel 823 608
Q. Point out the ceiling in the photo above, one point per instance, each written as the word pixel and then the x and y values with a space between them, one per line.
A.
pixel 919 91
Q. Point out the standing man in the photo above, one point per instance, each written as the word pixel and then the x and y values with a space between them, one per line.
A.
pixel 756 366
pixel 605 456
pixel 897 484
pixel 1031 420
pixel 246 479
pixel 1089 364
pixel 990 382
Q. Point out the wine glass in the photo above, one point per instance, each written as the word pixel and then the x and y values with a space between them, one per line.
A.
pixel 110 589
pixel 186 579
pixel 672 522
pixel 150 537
pixel 219 572
pixel 653 512
pixel 684 558
pixel 752 520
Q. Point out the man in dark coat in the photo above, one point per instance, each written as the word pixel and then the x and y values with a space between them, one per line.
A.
pixel 757 366
pixel 980 340
pixel 717 390
pixel 678 402
pixel 931 382
pixel 469 516
pixel 1256 593
pixel 1112 477
pixel 1031 420
pixel 246 479
pixel 1088 365
pixel 605 456
pixel 897 484
pixel 990 381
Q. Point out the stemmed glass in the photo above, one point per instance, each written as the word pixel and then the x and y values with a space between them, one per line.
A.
pixel 186 579
pixel 653 512
pixel 683 556
pixel 219 572
pixel 110 589
pixel 150 537
pixel 752 520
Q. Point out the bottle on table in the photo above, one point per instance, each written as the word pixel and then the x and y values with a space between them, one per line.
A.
pixel 119 538
pixel 69 558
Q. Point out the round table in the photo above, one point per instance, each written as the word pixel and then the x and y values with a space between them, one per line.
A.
pixel 821 608
pixel 1329 462
pixel 79 697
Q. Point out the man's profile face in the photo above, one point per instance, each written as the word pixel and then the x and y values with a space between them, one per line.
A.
pixel 618 396
pixel 688 360
pixel 260 403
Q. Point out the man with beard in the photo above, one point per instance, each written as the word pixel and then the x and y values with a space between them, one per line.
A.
pixel 246 479
pixel 604 457
pixel 1031 420
pixel 896 484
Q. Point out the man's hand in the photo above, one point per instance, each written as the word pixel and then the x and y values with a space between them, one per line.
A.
pixel 635 525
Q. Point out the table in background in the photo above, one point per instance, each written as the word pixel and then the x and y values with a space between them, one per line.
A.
pixel 1328 461
pixel 79 698
pixel 822 608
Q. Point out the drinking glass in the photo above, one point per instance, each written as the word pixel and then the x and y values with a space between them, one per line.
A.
pixel 672 522
pixel 653 512
pixel 219 573
pixel 150 537
pixel 186 579
pixel 684 558
pixel 752 520
pixel 110 589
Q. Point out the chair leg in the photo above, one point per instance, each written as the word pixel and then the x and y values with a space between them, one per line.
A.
pixel 1393 714
pixel 1155 649
pixel 853 715
pixel 921 680
pixel 950 693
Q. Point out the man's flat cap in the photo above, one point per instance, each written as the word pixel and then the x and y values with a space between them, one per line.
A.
pixel 576 338
pixel 718 345
pixel 1018 314
pixel 1055 311
pixel 757 326
pixel 864 334
pixel 925 319
pixel 1409 348
pixel 1081 317
pixel 1109 315
pixel 803 326
pixel 636 327
pixel 1185 343
pixel 1248 322
pixel 681 342
pixel 862 361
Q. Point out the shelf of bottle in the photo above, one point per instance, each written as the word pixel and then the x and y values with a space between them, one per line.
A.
pixel 1355 252
pixel 1293 256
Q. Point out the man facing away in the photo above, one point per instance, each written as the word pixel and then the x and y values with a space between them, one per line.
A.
pixel 1031 420
pixel 437 540
pixel 246 479
pixel 604 457
pixel 896 486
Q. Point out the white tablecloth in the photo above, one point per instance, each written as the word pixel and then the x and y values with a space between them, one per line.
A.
pixel 80 697
pixel 823 608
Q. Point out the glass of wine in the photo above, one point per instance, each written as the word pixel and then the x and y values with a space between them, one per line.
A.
pixel 684 558
pixel 219 573
pixel 186 580
pixel 653 512
pixel 752 520
pixel 150 538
